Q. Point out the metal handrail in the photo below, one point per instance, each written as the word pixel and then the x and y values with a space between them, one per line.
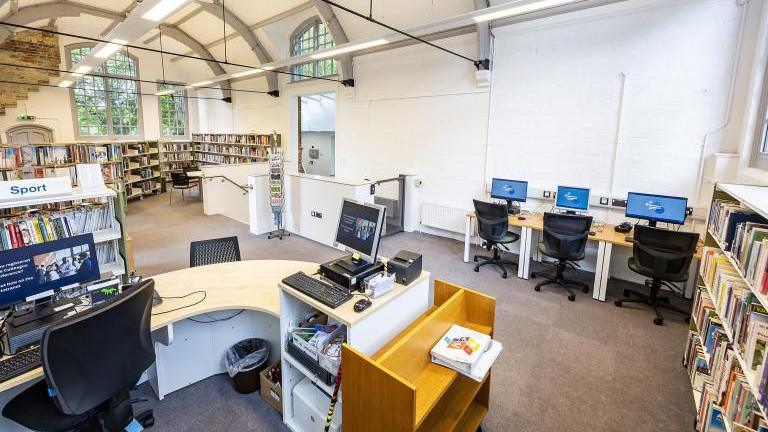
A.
pixel 245 189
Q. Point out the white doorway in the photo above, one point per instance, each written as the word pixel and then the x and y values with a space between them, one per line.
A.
pixel 317 134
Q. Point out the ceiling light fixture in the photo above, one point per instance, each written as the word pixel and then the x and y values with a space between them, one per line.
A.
pixel 516 8
pixel 165 92
pixel 65 83
pixel 347 49
pixel 111 48
pixel 246 73
pixel 201 83
pixel 163 9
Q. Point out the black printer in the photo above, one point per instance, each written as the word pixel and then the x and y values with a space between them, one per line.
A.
pixel 406 266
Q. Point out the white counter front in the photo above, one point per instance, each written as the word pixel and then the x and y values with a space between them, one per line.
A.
pixel 312 204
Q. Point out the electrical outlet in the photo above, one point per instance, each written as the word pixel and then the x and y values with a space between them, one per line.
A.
pixel 619 203
pixel 547 194
pixel 604 201
pixel 689 211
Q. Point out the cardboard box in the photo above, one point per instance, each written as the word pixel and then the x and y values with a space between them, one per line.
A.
pixel 272 392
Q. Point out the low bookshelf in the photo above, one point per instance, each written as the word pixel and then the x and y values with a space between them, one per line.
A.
pixel 728 332
pixel 175 155
pixel 141 166
pixel 226 149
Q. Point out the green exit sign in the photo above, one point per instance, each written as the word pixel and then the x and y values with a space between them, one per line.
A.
pixel 25 117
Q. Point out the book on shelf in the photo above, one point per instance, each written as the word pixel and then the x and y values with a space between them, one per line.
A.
pixel 466 351
pixel 11 158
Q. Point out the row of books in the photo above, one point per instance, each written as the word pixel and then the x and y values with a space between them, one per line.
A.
pixel 11 158
pixel 466 351
pixel 176 147
pixel 172 157
pixel 106 253
pixel 41 227
pixel 137 148
pixel 239 138
pixel 55 155
pixel 221 159
pixel 97 154
pixel 232 150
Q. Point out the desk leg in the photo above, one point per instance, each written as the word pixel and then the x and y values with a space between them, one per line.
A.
pixel 467 238
pixel 602 270
pixel 524 263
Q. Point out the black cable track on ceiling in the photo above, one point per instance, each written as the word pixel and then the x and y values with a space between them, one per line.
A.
pixel 3 81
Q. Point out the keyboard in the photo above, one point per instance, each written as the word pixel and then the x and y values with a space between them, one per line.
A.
pixel 20 363
pixel 324 292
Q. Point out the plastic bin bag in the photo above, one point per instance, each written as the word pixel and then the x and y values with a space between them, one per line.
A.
pixel 246 355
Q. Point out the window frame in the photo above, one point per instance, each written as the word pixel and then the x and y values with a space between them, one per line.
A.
pixel 110 135
pixel 183 91
pixel 315 23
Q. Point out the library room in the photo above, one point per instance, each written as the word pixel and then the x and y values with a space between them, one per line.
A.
pixel 380 216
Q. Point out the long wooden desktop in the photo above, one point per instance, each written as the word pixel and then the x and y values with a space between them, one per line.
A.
pixel 605 236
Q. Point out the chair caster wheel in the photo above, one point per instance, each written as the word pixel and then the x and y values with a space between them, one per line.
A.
pixel 585 290
pixel 504 276
pixel 572 297
pixel 658 321
pixel 533 276
pixel 477 269
pixel 474 259
pixel 618 303
pixel 537 289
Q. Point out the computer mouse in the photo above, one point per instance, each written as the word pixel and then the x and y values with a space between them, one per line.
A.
pixel 362 305
pixel 521 218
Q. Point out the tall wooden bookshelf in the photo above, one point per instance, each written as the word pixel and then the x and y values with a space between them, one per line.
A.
pixel 225 149
pixel 142 170
pixel 722 353
pixel 175 155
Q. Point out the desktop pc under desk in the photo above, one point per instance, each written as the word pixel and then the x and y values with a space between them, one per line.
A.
pixel 606 239
pixel 188 352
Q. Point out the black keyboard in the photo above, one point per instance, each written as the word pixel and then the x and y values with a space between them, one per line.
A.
pixel 327 294
pixel 19 364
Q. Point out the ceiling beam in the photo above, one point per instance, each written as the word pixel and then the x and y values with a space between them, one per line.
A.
pixel 261 24
pixel 247 34
pixel 114 23
pixel 339 36
pixel 43 11
pixel 182 37
pixel 483 36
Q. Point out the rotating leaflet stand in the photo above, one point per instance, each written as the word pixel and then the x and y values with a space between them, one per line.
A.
pixel 277 192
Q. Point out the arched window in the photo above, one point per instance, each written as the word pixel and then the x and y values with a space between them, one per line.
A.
pixel 310 37
pixel 106 106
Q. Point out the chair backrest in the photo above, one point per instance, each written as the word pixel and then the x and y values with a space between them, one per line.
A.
pixel 214 251
pixel 664 254
pixel 565 236
pixel 492 220
pixel 179 178
pixel 101 352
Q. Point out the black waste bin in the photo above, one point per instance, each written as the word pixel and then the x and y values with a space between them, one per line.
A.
pixel 244 361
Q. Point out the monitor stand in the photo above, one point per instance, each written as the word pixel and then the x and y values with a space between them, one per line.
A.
pixel 652 224
pixel 352 265
pixel 513 207
pixel 571 212
pixel 53 310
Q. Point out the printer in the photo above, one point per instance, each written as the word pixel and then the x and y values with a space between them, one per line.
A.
pixel 406 266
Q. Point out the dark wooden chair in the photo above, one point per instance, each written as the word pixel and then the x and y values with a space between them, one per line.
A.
pixel 180 180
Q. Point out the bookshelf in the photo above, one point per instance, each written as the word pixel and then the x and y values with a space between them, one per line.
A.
pixel 175 155
pixel 728 333
pixel 142 168
pixel 101 213
pixel 399 388
pixel 225 149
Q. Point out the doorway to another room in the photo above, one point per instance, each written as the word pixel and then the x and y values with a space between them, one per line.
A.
pixel 317 134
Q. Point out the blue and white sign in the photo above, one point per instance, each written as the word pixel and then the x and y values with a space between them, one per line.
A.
pixel 17 190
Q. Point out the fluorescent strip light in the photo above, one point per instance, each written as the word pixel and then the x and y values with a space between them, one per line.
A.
pixel 350 48
pixel 516 9
pixel 65 83
pixel 246 73
pixel 201 83
pixel 82 70
pixel 163 9
pixel 165 92
pixel 267 68
pixel 111 48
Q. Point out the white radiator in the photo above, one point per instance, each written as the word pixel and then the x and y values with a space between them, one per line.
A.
pixel 444 218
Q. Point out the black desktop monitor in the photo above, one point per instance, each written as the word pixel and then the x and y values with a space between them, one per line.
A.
pixel 41 270
pixel 509 190
pixel 657 208
pixel 359 229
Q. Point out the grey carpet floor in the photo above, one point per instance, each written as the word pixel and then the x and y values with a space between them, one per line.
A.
pixel 566 366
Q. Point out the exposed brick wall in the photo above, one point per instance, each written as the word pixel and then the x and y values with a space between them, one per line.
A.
pixel 31 48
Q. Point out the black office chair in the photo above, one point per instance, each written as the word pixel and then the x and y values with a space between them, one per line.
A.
pixel 493 226
pixel 214 251
pixel 664 257
pixel 91 362
pixel 180 180
pixel 565 239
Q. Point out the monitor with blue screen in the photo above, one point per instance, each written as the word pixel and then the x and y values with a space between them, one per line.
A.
pixel 510 190
pixel 572 199
pixel 657 208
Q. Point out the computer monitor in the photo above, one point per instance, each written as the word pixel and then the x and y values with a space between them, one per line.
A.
pixel 572 199
pixel 509 190
pixel 657 208
pixel 41 270
pixel 359 231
